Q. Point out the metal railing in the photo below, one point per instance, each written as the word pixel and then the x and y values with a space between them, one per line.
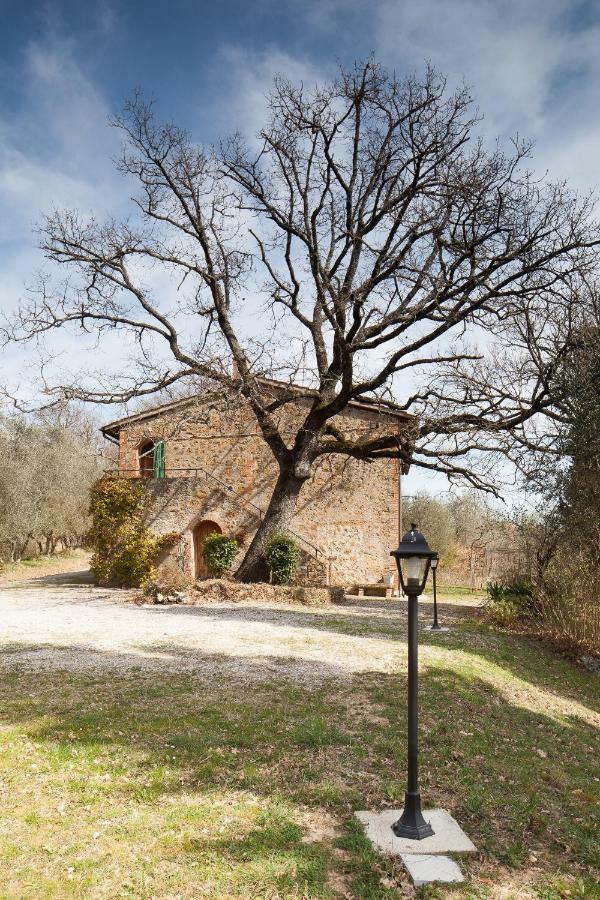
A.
pixel 235 496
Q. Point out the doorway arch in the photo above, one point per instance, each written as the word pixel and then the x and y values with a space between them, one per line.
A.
pixel 201 532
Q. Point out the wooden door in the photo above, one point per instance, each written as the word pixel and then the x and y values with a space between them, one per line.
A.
pixel 201 531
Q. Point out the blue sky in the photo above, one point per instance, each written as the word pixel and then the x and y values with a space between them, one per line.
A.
pixel 65 67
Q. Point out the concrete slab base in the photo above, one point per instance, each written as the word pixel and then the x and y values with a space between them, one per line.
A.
pixel 425 860
pixel 424 868
pixel 441 628
pixel 448 836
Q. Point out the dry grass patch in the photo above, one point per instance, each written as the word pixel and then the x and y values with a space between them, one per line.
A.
pixel 41 566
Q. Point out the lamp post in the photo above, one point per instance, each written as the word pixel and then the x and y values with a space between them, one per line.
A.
pixel 436 625
pixel 413 557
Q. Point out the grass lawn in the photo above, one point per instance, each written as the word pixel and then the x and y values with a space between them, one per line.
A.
pixel 183 786
pixel 459 591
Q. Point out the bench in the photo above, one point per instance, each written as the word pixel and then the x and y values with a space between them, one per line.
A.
pixel 379 589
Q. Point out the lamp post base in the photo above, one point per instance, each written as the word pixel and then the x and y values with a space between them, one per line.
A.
pixel 411 823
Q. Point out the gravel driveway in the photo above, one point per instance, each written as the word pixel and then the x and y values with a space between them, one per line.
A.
pixel 65 622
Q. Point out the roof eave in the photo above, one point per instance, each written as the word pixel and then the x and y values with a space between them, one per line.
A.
pixel 112 429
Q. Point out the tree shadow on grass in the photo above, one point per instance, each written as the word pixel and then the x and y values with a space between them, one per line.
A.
pixel 518 781
pixel 387 618
pixel 519 656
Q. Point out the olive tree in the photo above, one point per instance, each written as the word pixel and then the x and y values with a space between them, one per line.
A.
pixel 46 471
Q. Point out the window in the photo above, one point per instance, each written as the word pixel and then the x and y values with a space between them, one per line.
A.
pixel 146 459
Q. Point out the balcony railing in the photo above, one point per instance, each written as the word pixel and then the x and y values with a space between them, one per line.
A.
pixel 235 496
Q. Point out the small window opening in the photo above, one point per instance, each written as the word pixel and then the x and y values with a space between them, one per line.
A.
pixel 146 459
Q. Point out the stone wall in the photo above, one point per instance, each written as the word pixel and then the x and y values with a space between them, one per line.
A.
pixel 348 509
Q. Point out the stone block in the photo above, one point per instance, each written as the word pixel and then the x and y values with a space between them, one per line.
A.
pixel 425 868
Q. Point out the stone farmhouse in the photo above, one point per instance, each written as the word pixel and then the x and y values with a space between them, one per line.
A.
pixel 209 470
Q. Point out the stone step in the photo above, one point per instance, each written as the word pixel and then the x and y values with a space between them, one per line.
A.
pixel 426 868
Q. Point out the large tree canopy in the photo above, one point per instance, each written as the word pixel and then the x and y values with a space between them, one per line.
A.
pixel 368 242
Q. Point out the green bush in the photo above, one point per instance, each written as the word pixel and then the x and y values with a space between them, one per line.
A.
pixel 517 590
pixel 219 553
pixel 283 556
pixel 510 600
pixel 124 551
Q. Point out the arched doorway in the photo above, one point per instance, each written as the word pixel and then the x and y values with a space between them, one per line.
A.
pixel 146 459
pixel 201 532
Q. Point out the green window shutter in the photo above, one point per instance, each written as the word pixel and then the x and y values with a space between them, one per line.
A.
pixel 159 459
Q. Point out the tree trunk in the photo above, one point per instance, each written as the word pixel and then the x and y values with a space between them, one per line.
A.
pixel 277 518
pixel 19 546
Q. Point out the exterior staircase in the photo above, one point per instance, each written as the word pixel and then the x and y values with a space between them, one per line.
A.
pixel 314 565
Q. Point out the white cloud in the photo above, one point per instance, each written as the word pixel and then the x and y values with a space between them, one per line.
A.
pixel 55 151
pixel 533 66
pixel 507 51
pixel 243 105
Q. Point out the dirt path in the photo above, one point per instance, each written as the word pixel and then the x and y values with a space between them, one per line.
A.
pixel 33 569
pixel 65 622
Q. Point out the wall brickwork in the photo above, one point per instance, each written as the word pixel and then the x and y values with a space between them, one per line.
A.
pixel 348 509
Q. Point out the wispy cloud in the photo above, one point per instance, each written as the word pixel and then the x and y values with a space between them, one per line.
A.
pixel 55 151
pixel 533 67
pixel 243 104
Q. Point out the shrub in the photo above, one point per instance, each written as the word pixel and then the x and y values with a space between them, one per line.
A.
pixel 569 610
pixel 517 590
pixel 510 600
pixel 283 556
pixel 124 551
pixel 219 553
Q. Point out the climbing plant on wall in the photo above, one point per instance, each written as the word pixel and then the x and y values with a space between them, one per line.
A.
pixel 124 550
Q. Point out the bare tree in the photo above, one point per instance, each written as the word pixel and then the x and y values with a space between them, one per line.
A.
pixel 372 229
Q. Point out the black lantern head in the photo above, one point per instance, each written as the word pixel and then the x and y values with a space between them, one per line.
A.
pixel 413 558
